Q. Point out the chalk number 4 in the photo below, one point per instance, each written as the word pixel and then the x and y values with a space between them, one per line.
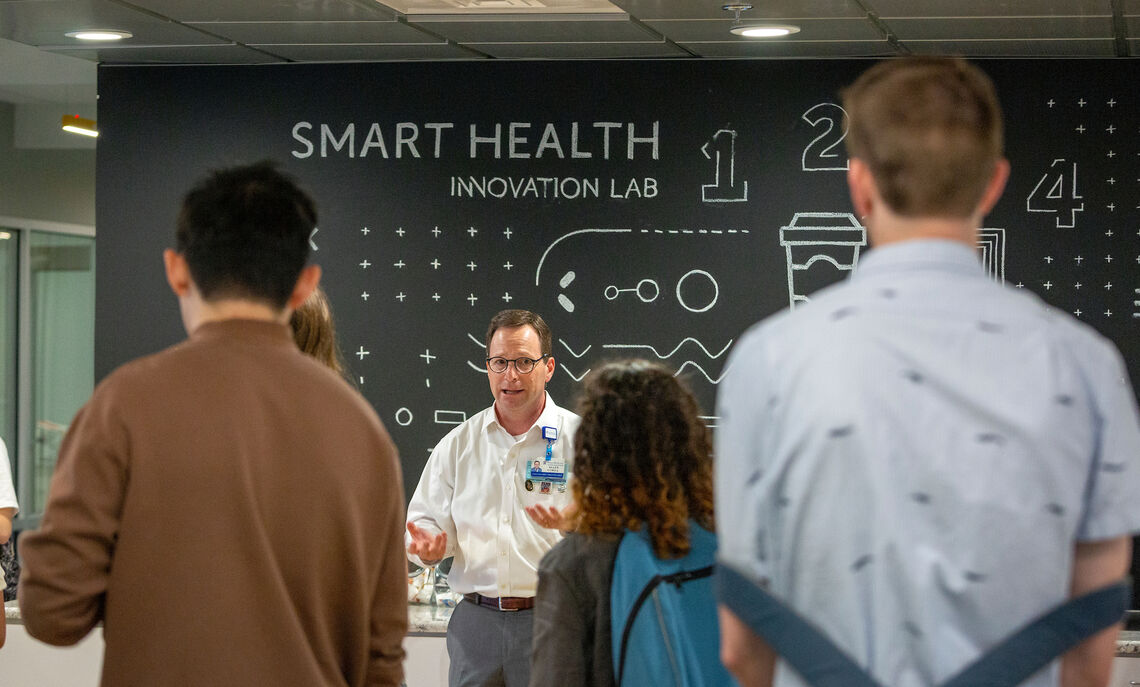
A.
pixel 823 153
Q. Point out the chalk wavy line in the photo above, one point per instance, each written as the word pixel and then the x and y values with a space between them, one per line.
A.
pixel 473 366
pixel 672 352
pixel 700 369
pixel 579 377
pixel 477 342
pixel 576 355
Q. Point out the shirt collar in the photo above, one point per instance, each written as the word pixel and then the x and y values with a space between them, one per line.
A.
pixel 920 253
pixel 548 418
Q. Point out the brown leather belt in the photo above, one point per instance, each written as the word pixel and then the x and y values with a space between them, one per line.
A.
pixel 501 603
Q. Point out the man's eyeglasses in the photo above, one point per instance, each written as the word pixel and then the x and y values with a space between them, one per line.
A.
pixel 523 366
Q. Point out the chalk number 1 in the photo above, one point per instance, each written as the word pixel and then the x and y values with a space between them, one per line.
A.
pixel 721 149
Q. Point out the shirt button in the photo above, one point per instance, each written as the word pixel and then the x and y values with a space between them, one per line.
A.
pixel 502 553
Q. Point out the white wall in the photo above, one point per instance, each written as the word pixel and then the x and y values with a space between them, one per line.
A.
pixel 55 185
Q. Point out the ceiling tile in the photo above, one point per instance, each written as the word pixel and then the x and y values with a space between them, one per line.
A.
pixel 371 53
pixel 533 30
pixel 571 51
pixel 318 32
pixel 268 11
pixel 647 10
pixel 1015 48
pixel 989 8
pixel 786 48
pixel 175 54
pixel 1020 28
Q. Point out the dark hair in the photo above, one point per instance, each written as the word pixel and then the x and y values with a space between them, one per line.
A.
pixel 930 131
pixel 244 233
pixel 508 319
pixel 642 456
pixel 314 330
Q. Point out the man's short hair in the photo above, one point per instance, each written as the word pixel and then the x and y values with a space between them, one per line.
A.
pixel 930 131
pixel 520 318
pixel 244 232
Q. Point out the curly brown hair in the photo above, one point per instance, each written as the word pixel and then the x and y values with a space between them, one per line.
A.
pixel 642 456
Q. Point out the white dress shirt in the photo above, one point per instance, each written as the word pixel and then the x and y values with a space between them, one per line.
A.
pixel 474 488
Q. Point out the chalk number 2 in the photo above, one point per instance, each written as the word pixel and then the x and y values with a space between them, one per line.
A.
pixel 823 153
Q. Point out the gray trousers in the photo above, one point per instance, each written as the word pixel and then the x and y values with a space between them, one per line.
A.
pixel 488 647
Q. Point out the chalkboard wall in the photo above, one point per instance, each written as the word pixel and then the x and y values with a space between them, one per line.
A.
pixel 649 208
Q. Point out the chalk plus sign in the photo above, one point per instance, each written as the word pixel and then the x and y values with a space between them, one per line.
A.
pixel 436 231
pixel 508 264
pixel 1111 181
pixel 507 233
pixel 1079 259
pixel 472 297
pixel 362 353
pixel 365 263
pixel 472 231
pixel 1111 129
pixel 435 297
pixel 399 264
pixel 1108 313
pixel 1082 102
pixel 435 263
pixel 1078 286
pixel 1077 312
pixel 1111 206
pixel 1048 285
pixel 1108 233
pixel 1111 153
pixel 427 356
pixel 1081 129
pixel 507 296
pixel 1138 259
pixel 364 295
pixel 1051 102
pixel 471 265
pixel 401 296
pixel 400 232
pixel 1111 102
pixel 1019 285
pixel 1108 286
pixel 1049 259
pixel 1108 258
pixel 364 231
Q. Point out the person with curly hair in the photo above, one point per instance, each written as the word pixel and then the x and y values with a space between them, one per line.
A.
pixel 642 464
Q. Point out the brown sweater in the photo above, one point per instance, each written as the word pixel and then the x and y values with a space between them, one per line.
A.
pixel 233 513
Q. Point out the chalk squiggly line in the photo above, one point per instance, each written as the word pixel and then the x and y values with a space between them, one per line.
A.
pixel 672 352
pixel 700 369
pixel 576 355
pixel 579 377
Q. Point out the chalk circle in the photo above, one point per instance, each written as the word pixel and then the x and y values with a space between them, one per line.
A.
pixel 716 291
pixel 611 292
pixel 403 412
pixel 656 291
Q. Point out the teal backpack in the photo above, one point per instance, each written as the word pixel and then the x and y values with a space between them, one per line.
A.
pixel 663 614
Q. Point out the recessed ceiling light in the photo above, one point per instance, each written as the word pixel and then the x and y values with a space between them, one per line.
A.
pixel 99 34
pixel 755 29
pixel 763 30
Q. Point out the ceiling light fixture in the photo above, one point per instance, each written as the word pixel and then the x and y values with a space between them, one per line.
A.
pixel 79 125
pixel 753 29
pixel 99 34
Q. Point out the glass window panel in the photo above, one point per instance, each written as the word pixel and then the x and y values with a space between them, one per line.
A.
pixel 9 303
pixel 63 344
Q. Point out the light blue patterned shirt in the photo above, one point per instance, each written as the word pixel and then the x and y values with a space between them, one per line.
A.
pixel 909 459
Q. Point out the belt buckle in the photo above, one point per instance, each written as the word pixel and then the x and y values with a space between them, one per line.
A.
pixel 499 600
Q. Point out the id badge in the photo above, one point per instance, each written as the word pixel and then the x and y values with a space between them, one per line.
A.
pixel 547 471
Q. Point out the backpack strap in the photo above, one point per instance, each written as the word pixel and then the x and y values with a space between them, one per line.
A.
pixel 1034 646
pixel 677 578
pixel 822 664
pixel 815 657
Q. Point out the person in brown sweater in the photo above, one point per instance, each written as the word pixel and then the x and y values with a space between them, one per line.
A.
pixel 229 508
